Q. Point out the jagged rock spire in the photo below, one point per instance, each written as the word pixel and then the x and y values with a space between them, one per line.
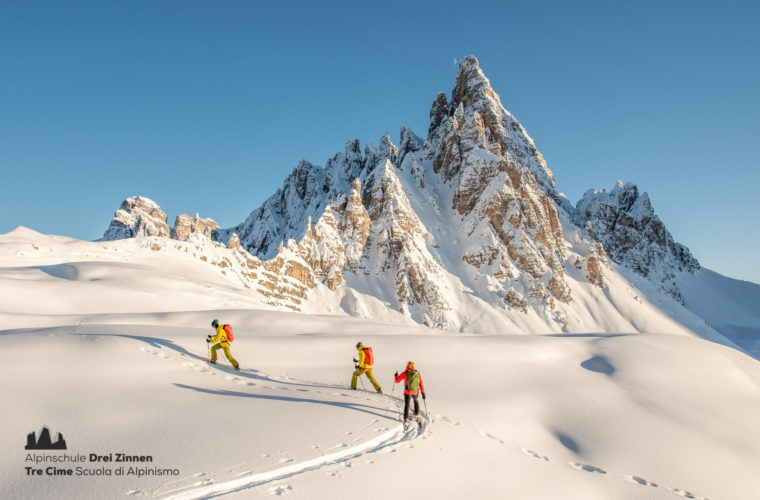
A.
pixel 477 114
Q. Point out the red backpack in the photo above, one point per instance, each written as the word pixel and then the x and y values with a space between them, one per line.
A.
pixel 369 358
pixel 228 331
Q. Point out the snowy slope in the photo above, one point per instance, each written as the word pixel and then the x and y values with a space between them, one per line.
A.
pixel 548 416
pixel 104 343
pixel 730 306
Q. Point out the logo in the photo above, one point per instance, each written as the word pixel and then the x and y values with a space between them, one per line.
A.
pixel 44 442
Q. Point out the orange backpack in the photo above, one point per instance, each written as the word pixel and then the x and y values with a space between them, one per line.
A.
pixel 228 331
pixel 369 358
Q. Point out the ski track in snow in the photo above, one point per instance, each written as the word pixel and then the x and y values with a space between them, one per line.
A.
pixel 341 450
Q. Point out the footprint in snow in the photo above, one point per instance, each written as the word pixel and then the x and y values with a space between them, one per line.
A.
pixel 685 494
pixel 490 436
pixel 639 480
pixel 534 454
pixel 447 420
pixel 586 467
pixel 280 490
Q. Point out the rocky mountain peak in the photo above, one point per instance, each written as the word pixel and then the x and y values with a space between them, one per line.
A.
pixel 471 86
pixel 625 223
pixel 137 216
pixel 477 120
pixel 140 216
pixel 440 229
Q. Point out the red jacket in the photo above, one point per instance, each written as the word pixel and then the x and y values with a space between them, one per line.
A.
pixel 402 376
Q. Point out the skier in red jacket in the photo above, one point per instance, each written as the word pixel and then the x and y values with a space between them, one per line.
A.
pixel 413 385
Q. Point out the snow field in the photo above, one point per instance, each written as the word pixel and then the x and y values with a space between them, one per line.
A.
pixel 532 416
pixel 112 355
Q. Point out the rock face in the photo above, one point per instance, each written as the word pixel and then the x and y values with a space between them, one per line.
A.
pixel 184 226
pixel 624 222
pixel 502 185
pixel 137 216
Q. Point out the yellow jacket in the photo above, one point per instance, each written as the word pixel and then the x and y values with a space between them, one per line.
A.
pixel 221 337
pixel 361 359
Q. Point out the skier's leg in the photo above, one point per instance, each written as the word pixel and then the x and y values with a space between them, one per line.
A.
pixel 356 375
pixel 214 348
pixel 407 398
pixel 232 360
pixel 372 379
pixel 416 404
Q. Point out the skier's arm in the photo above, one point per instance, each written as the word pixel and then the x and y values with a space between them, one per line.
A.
pixel 361 359
pixel 401 376
pixel 422 386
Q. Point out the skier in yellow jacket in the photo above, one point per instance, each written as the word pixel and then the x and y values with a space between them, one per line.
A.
pixel 364 365
pixel 220 342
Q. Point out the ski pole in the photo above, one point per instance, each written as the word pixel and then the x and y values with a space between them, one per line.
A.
pixel 208 357
pixel 426 410
pixel 362 382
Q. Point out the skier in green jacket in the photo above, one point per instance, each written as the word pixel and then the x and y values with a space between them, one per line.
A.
pixel 412 387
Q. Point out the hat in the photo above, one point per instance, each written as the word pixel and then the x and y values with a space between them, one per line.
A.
pixel 359 344
pixel 215 323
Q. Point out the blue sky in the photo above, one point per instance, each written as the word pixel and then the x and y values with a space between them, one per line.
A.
pixel 207 106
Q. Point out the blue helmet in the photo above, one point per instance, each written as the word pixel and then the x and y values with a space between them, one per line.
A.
pixel 215 323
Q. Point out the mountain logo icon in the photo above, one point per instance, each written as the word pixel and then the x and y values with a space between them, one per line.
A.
pixel 44 442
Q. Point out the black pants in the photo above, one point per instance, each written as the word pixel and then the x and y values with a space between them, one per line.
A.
pixel 407 399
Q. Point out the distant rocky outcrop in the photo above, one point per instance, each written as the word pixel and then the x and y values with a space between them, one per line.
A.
pixel 184 226
pixel 137 216
pixel 140 216
pixel 624 222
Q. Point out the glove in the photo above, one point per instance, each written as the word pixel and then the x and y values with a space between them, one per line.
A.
pixel 208 340
pixel 423 396
pixel 395 374
pixel 356 360
pixel 356 367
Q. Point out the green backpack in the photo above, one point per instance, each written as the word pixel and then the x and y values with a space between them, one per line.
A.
pixel 412 380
